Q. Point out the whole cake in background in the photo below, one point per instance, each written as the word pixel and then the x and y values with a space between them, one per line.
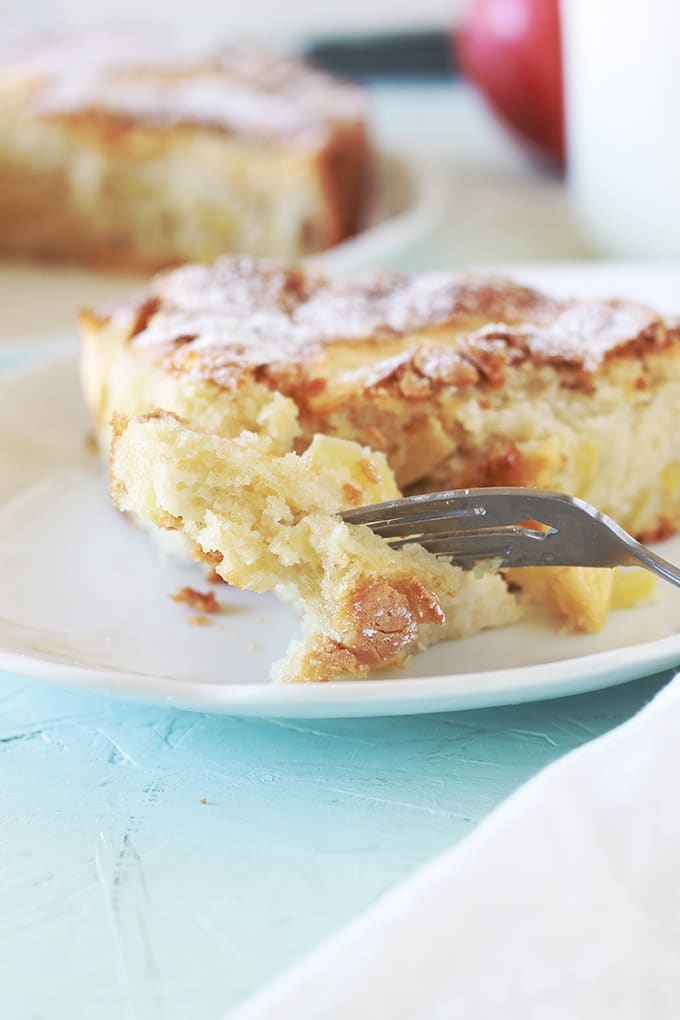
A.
pixel 133 153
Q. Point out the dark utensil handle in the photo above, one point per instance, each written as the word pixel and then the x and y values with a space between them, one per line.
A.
pixel 423 54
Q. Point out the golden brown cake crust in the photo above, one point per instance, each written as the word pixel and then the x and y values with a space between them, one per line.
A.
pixel 411 334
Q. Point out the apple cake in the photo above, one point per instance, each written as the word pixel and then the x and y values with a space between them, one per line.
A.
pixel 459 380
pixel 133 153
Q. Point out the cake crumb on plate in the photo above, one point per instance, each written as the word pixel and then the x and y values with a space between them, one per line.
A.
pixel 206 601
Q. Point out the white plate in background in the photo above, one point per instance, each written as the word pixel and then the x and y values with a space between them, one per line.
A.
pixel 409 203
pixel 85 597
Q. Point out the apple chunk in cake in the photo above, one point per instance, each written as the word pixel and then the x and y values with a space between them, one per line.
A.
pixel 269 521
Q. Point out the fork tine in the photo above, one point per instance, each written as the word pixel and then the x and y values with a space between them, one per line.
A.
pixel 414 510
pixel 444 520
pixel 437 541
pixel 468 508
pixel 509 547
pixel 518 547
pixel 442 523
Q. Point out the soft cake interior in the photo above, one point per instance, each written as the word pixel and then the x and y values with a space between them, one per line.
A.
pixel 268 521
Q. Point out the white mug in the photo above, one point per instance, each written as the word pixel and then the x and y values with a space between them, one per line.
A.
pixel 622 92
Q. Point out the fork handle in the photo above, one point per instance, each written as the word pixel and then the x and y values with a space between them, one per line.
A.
pixel 657 564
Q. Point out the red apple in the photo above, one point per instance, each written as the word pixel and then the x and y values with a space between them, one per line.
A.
pixel 511 50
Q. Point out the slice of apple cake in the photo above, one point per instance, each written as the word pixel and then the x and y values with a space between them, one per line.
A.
pixel 459 379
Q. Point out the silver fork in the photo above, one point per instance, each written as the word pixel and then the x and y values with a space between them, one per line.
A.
pixel 467 526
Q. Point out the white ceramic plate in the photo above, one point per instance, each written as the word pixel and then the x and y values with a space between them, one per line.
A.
pixel 85 597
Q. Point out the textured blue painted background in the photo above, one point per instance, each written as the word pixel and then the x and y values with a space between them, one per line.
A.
pixel 122 895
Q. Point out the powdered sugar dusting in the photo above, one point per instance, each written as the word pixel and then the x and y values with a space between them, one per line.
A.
pixel 585 331
pixel 237 88
pixel 398 303
pixel 258 313
pixel 236 286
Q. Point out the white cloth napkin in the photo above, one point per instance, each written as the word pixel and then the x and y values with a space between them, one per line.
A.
pixel 564 903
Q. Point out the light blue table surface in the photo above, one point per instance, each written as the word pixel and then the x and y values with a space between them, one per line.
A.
pixel 123 895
